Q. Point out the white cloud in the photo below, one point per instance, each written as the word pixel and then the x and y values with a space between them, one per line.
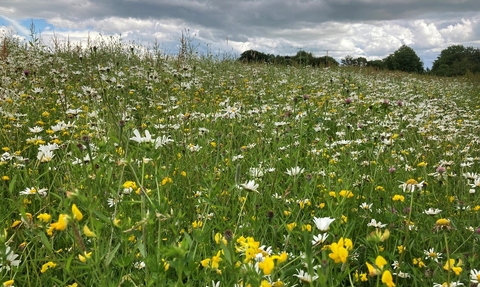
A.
pixel 458 32
pixel 426 35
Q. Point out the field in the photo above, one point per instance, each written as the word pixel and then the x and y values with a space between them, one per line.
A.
pixel 122 168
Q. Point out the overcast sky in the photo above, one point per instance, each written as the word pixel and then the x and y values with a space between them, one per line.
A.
pixel 368 28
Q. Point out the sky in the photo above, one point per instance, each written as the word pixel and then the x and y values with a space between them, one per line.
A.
pixel 360 28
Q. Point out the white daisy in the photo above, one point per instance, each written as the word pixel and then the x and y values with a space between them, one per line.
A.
pixel 250 186
pixel 323 223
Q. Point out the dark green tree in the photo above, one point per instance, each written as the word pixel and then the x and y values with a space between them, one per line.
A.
pixel 303 58
pixel 348 61
pixel 456 61
pixel 404 59
pixel 351 61
pixel 255 56
pixel 376 64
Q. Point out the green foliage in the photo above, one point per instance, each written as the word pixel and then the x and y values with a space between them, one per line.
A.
pixel 302 58
pixel 351 61
pixel 404 59
pixel 457 60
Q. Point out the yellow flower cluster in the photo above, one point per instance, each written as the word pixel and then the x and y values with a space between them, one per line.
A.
pixel 340 250
pixel 251 248
pixel 380 263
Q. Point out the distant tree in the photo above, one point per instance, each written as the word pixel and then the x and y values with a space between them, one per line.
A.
pixel 303 58
pixel 361 61
pixel 457 60
pixel 351 61
pixel 326 61
pixel 255 56
pixel 377 64
pixel 348 61
pixel 404 59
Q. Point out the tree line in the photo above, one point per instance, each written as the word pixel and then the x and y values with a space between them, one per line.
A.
pixel 301 58
pixel 455 60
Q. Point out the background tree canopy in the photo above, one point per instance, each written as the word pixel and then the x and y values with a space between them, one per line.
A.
pixel 404 59
pixel 302 58
pixel 455 60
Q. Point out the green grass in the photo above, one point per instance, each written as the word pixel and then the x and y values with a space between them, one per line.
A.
pixel 170 209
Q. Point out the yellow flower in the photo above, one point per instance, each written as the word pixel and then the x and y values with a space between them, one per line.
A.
pixel 450 265
pixel 197 224
pixel 422 164
pixel 77 215
pixel 129 186
pixel 88 232
pixel 397 197
pixel 265 284
pixel 83 258
pixel 345 193
pixel 45 217
pixel 372 271
pixel 307 227
pixel 73 285
pixel 380 262
pixel 387 278
pixel 411 181
pixel 339 252
pixel 8 283
pixel 378 236
pixel 216 260
pixel 267 265
pixel 443 222
pixel 166 180
pixel 205 262
pixel 48 265
pixel 15 223
pixel 61 224
pixel 291 226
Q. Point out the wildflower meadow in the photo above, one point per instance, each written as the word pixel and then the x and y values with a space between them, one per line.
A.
pixel 123 166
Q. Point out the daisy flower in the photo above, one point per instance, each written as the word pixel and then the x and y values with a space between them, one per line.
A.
pixel 139 139
pixel 366 206
pixel 295 171
pixel 475 276
pixel 250 186
pixel 305 277
pixel 431 254
pixel 323 223
pixel 432 211
pixel 10 260
pixel 32 190
pixel 320 238
pixel 410 185
pixel 376 224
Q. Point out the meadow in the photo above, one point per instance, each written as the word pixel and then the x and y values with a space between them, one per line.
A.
pixel 127 168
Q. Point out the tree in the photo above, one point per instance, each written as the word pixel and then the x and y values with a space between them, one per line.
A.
pixel 404 59
pixel 348 61
pixel 303 58
pixel 255 56
pixel 351 61
pixel 456 60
